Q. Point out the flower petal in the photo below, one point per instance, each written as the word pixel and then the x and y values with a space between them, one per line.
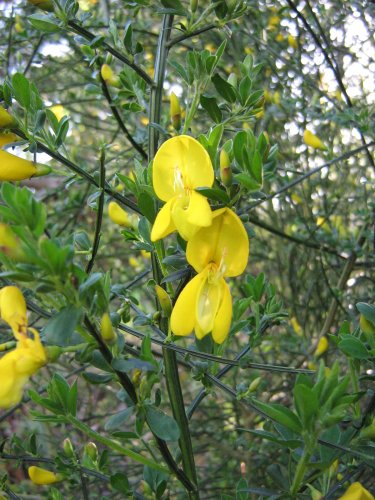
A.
pixel 224 315
pixel 190 213
pixel 14 168
pixel 43 476
pixel 13 310
pixel 224 242
pixel 118 215
pixel 207 305
pixel 183 317
pixel 186 158
pixel 163 224
pixel 12 384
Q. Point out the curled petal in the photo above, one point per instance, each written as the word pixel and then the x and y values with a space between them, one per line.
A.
pixel 224 242
pixel 183 317
pixel 13 168
pixel 190 213
pixel 181 162
pixel 164 223
pixel 208 301
pixel 224 315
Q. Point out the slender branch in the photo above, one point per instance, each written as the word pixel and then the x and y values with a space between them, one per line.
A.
pixel 311 172
pixel 33 54
pixel 119 120
pixel 90 36
pixel 181 38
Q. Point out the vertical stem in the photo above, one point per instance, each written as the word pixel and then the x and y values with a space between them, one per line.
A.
pixel 170 360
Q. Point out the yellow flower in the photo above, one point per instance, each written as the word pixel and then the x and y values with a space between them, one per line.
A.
pixel 58 110
pixel 181 165
pixel 13 168
pixel 108 76
pixel 292 42
pixel 218 251
pixel 17 366
pixel 296 326
pixel 18 25
pixel 42 476
pixel 313 140
pixel 356 492
pixel 7 138
pixel 279 37
pixel 321 347
pixel 6 120
pixel 118 215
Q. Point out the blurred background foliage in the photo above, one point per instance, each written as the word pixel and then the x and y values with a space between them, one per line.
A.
pixel 295 66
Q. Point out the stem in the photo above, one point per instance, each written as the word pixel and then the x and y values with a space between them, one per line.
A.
pixel 192 109
pixel 300 472
pixel 170 360
pixel 114 445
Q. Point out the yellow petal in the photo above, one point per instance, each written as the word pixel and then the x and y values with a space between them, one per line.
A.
pixel 356 492
pixel 13 168
pixel 207 305
pixel 223 318
pixel 163 224
pixel 30 355
pixel 6 120
pixel 313 140
pixel 225 243
pixel 183 317
pixel 181 162
pixel 118 214
pixel 189 213
pixel 11 386
pixel 42 476
pixel 13 310
pixel 7 138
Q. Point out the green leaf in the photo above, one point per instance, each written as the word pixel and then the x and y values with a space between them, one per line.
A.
pixel 224 88
pixel 280 414
pixel 120 482
pixel 244 89
pixel 175 6
pixel 147 206
pixel 59 330
pixel 164 426
pixel 353 347
pixel 307 405
pixel 247 181
pixel 43 23
pixel 210 105
pixel 214 194
pixel 21 89
pixel 117 420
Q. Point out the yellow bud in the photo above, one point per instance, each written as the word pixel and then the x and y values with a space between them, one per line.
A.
pixel 313 140
pixel 322 347
pixel 292 42
pixel 136 377
pixel 276 98
pixel 10 244
pixel 279 37
pixel 175 111
pixel 356 492
pixel 6 120
pixel 311 365
pixel 296 326
pixel 42 4
pixel 13 168
pixel 334 467
pixel 225 169
pixel 108 76
pixel 296 198
pixel 18 26
pixel 106 329
pixel 164 300
pixel 366 325
pixel 58 110
pixel 118 215
pixel 254 385
pixel 42 476
pixel 7 138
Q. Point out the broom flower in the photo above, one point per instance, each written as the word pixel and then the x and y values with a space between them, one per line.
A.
pixel 180 166
pixel 215 252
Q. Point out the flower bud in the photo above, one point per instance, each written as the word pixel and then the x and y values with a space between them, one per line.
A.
pixel 356 491
pixel 108 76
pixel 366 325
pixel 292 42
pixel 68 448
pixel 254 385
pixel 313 140
pixel 53 352
pixel 6 120
pixel 193 5
pixel 225 169
pixel 164 300
pixel 42 476
pixel 91 451
pixel 18 26
pixel 321 347
pixel 175 111
pixel 118 215
pixel 106 329
pixel 7 138
pixel 13 168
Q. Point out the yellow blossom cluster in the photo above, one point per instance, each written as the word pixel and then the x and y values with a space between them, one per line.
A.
pixel 18 365
pixel 217 242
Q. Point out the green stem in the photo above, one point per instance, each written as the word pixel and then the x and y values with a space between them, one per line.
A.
pixel 192 109
pixel 354 379
pixel 170 360
pixel 114 445
pixel 300 471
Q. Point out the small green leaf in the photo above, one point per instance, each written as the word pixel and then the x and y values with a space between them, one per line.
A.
pixel 210 105
pixel 117 420
pixel 43 23
pixel 164 426
pixel 21 88
pixel 59 330
pixel 214 194
pixel 280 414
pixel 353 347
pixel 120 482
pixel 367 310
pixel 224 88
pixel 306 403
